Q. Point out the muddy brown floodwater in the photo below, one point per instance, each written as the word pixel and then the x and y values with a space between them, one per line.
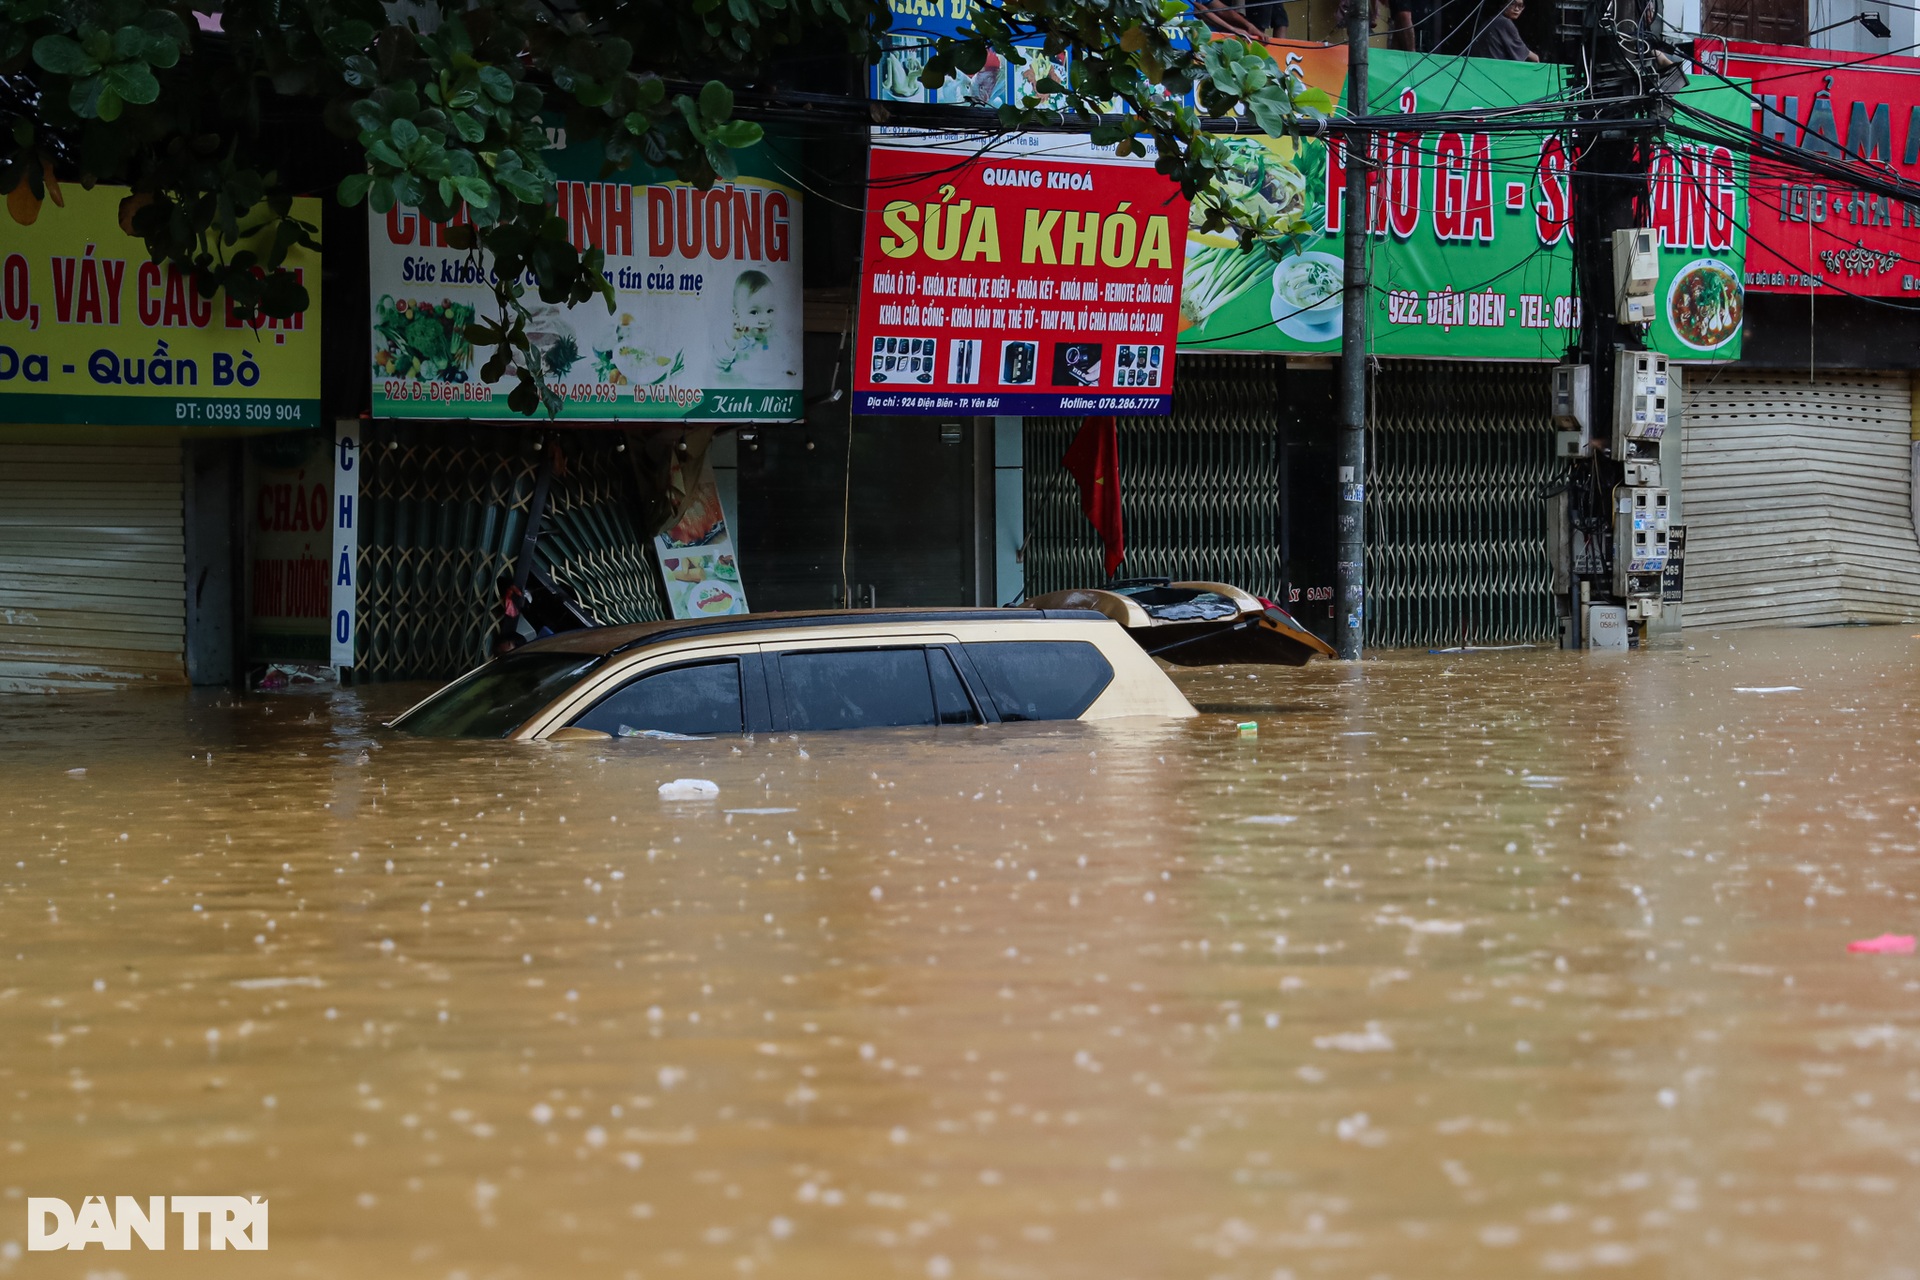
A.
pixel 1479 964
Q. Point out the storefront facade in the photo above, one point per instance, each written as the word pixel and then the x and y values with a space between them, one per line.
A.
pixel 1798 468
pixel 125 401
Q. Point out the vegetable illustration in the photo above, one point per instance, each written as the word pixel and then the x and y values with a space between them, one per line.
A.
pixel 421 339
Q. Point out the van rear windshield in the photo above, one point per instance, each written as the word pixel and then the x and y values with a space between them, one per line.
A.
pixel 494 700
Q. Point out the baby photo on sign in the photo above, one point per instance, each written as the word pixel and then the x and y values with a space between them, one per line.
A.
pixel 746 340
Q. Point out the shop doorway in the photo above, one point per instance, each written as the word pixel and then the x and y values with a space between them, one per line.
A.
pixel 894 497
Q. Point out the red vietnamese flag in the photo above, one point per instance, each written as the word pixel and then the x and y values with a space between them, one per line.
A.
pixel 1093 460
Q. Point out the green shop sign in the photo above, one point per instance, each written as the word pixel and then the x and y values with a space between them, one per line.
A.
pixel 1470 233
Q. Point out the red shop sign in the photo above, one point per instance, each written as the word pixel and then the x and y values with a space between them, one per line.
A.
pixel 1042 278
pixel 1809 233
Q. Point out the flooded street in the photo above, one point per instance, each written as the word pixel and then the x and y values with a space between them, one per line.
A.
pixel 1479 964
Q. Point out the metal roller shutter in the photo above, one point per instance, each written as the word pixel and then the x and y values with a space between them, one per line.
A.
pixel 1200 489
pixel 1797 498
pixel 93 567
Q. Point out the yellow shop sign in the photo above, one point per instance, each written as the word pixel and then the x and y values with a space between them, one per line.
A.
pixel 93 332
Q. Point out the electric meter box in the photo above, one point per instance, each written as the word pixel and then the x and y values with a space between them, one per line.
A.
pixel 1640 524
pixel 1573 399
pixel 1636 274
pixel 1640 398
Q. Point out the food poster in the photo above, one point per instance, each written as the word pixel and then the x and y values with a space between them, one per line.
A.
pixel 1697 200
pixel 696 556
pixel 706 323
pixel 92 332
pixel 1040 277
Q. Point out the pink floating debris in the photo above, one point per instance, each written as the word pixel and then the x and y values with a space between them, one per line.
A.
pixel 1887 944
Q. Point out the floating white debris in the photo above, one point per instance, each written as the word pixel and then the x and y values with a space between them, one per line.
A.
pixel 1372 1040
pixel 761 811
pixel 1270 819
pixel 1770 688
pixel 689 789
pixel 1422 926
pixel 272 984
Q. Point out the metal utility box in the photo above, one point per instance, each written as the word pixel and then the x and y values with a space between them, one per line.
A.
pixel 1572 396
pixel 1640 518
pixel 1606 627
pixel 1636 274
pixel 1640 400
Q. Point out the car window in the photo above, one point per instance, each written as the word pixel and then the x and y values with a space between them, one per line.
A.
pixel 498 698
pixel 857 688
pixel 1040 679
pixel 950 700
pixel 698 700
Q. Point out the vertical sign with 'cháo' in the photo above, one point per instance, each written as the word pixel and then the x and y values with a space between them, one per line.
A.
pixel 346 543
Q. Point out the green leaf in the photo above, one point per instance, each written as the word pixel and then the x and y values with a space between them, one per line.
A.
pixel 348 35
pixel 523 186
pixel 497 83
pixel 360 72
pixel 133 81
pixel 738 133
pixel 404 133
pixel 716 102
pixel 1314 100
pixel 84 97
pixel 353 188
pixel 107 104
pixel 368 114
pixel 63 56
pixel 469 129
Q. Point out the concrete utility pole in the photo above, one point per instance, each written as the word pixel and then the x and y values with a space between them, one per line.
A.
pixel 1607 176
pixel 1351 509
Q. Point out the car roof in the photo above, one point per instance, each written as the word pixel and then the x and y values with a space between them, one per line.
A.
pixel 606 640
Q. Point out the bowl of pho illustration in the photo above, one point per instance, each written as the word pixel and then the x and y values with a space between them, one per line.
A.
pixel 1705 304
pixel 1307 296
